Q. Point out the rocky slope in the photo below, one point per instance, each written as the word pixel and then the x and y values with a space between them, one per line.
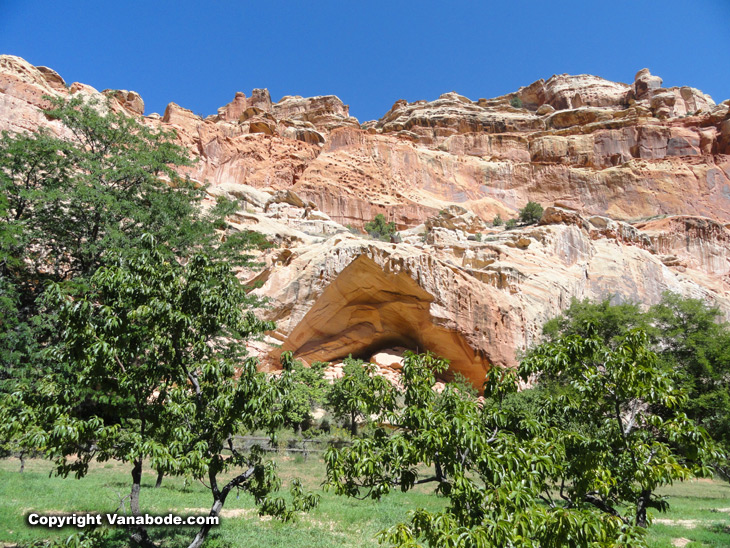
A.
pixel 604 156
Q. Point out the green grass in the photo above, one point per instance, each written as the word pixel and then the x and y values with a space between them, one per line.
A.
pixel 694 515
pixel 337 522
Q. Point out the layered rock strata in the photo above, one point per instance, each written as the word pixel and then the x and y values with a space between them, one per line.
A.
pixel 636 177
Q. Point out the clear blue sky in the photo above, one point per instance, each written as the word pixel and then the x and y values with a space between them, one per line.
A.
pixel 369 53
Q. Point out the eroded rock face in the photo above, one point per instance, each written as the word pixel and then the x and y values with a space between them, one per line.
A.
pixel 596 154
pixel 128 100
pixel 609 156
pixel 480 302
pixel 22 87
pixel 452 114
pixel 690 242
pixel 567 92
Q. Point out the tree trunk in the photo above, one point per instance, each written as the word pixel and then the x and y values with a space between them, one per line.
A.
pixel 160 475
pixel 136 485
pixel 219 499
pixel 353 424
pixel 205 529
pixel 641 507
pixel 22 461
pixel 138 534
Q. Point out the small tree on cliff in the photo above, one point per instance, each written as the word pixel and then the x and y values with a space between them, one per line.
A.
pixel 531 213
pixel 380 228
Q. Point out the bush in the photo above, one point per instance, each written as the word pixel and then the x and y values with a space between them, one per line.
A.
pixel 511 223
pixel 497 221
pixel 379 228
pixel 516 102
pixel 531 213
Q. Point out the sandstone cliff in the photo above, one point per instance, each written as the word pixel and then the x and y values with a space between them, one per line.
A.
pixel 637 178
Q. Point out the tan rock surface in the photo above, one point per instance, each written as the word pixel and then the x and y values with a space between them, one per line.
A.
pixel 128 100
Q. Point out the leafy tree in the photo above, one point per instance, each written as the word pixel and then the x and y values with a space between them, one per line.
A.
pixel 689 339
pixel 150 368
pixel 611 322
pixel 308 389
pixel 380 228
pixel 497 221
pixel 494 465
pixel 510 224
pixel 618 447
pixel 17 345
pixel 65 202
pixel 16 338
pixel 100 189
pixel 531 213
pixel 358 393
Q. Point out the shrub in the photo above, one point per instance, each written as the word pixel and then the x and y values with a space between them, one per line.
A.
pixel 531 213
pixel 511 223
pixel 516 102
pixel 497 221
pixel 380 228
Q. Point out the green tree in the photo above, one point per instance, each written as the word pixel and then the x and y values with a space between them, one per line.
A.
pixel 510 224
pixel 359 393
pixel 495 466
pixel 497 221
pixel 151 369
pixel 621 423
pixel 308 390
pixel 531 213
pixel 101 188
pixel 611 321
pixel 380 228
pixel 689 339
pixel 66 201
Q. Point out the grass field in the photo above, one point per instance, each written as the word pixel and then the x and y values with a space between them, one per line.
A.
pixel 699 514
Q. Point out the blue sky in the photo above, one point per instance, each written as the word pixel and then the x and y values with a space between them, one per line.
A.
pixel 198 54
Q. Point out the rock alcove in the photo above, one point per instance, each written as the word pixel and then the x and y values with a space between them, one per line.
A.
pixel 367 309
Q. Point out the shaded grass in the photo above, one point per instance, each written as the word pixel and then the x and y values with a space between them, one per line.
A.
pixel 337 522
